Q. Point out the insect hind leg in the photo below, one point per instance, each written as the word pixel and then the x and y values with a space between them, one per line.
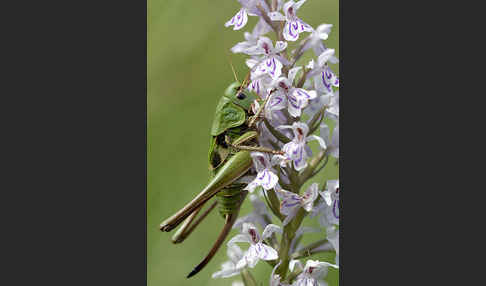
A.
pixel 190 224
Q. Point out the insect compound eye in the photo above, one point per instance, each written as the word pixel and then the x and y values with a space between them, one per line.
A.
pixel 241 95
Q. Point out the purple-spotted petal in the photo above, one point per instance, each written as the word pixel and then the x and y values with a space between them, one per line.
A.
pixel 304 94
pixel 239 20
pixel 277 101
pixel 271 66
pixel 266 252
pixel 300 161
pixel 256 87
pixel 291 30
pixel 304 27
pixel 295 105
pixel 267 179
pixel 250 258
pixel 289 202
pixel 280 46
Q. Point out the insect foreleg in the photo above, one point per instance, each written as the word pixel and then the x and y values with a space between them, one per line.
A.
pixel 259 111
pixel 259 149
pixel 248 136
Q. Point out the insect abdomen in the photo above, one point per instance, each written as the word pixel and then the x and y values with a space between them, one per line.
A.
pixel 229 199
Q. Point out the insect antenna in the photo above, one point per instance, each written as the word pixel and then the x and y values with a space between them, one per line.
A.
pixel 232 68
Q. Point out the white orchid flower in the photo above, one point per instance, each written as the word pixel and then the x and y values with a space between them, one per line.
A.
pixel 265 177
pixel 258 250
pixel 295 149
pixel 248 7
pixel 291 202
pixel 314 272
pixel 293 24
pixel 229 268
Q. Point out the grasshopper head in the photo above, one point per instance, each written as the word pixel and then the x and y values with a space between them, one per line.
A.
pixel 242 98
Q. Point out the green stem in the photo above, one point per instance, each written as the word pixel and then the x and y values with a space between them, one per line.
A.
pixel 317 118
pixel 277 134
pixel 293 275
pixel 309 249
pixel 314 162
pixel 287 237
pixel 274 203
pixel 248 279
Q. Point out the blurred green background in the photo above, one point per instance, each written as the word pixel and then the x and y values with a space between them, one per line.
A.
pixel 188 69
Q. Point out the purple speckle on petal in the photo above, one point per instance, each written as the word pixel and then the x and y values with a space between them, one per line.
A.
pixel 295 25
pixel 240 17
pixel 300 158
pixel 294 102
pixel 328 74
pixel 274 66
pixel 336 202
pixel 290 31
pixel 301 92
pixel 260 176
pixel 276 101
pixel 288 205
pixel 268 178
pixel 328 86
